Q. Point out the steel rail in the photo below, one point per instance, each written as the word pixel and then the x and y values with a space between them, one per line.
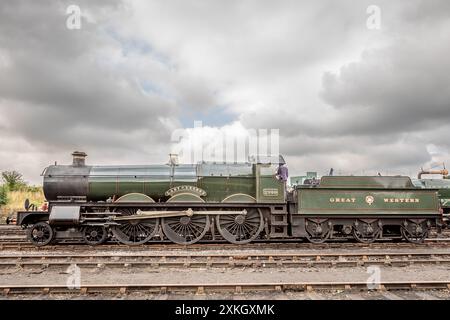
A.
pixel 157 246
pixel 254 260
pixel 204 288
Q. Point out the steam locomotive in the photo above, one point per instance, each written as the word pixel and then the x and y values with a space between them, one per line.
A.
pixel 234 202
pixel 443 187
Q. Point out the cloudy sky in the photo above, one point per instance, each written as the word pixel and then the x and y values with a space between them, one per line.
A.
pixel 344 95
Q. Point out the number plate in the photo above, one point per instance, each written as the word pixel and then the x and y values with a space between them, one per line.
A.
pixel 270 192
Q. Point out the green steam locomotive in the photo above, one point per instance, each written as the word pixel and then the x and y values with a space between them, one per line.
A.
pixel 235 202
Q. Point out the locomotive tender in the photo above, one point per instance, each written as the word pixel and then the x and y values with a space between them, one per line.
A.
pixel 238 202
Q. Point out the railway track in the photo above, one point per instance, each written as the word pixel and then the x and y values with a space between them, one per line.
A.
pixel 13 237
pixel 223 260
pixel 17 230
pixel 23 245
pixel 255 255
pixel 236 288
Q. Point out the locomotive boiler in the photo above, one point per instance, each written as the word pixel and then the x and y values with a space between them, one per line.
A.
pixel 234 202
pixel 212 182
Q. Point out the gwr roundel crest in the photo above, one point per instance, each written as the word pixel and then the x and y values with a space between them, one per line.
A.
pixel 370 200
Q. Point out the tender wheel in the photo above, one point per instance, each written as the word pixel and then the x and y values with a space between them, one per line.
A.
pixel 40 234
pixel 317 231
pixel 94 235
pixel 414 232
pixel 134 232
pixel 185 229
pixel 366 232
pixel 240 229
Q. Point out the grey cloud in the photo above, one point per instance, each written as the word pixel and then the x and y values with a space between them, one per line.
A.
pixel 383 110
pixel 398 89
pixel 120 85
pixel 402 87
pixel 56 92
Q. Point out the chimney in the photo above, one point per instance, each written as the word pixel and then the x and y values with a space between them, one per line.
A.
pixel 79 159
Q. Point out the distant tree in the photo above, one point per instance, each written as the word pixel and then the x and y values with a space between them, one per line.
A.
pixel 3 195
pixel 13 180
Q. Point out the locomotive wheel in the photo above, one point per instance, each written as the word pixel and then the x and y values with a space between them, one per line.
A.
pixel 40 234
pixel 366 232
pixel 134 232
pixel 317 232
pixel 185 229
pixel 414 232
pixel 240 229
pixel 94 235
